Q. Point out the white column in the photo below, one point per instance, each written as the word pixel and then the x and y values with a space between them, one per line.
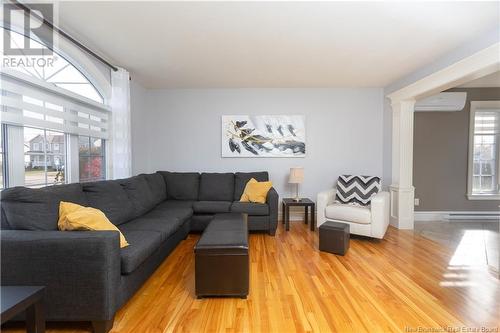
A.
pixel 402 190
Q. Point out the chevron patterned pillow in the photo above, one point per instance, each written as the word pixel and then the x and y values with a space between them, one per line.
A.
pixel 357 189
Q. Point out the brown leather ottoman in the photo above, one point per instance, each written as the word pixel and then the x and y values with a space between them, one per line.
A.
pixel 334 237
pixel 221 257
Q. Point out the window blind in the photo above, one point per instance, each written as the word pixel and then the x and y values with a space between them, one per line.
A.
pixel 487 122
pixel 24 104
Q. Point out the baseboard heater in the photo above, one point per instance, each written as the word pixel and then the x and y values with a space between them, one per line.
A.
pixel 457 216
pixel 474 216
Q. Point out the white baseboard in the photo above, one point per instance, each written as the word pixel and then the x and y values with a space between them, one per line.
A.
pixel 457 216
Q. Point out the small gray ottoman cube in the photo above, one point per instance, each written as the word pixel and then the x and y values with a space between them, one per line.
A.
pixel 334 237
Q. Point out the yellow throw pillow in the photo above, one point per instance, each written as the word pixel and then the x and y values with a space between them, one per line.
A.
pixel 256 191
pixel 76 217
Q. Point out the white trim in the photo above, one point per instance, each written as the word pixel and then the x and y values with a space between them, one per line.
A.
pixel 401 189
pixel 475 66
pixel 456 216
pixel 474 106
pixel 479 64
pixel 483 196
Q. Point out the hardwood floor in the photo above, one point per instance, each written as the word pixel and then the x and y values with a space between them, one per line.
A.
pixel 398 284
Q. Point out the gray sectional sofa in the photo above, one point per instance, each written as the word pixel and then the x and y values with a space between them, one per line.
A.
pixel 87 275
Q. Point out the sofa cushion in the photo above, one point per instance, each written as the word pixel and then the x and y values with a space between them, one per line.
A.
pixel 166 226
pixel 211 207
pixel 256 191
pixel 250 208
pixel 198 223
pixel 348 213
pixel 73 217
pixel 139 192
pixel 216 187
pixel 38 209
pixel 241 179
pixel 181 185
pixel 142 245
pixel 158 187
pixel 110 197
pixel 172 209
pixel 356 189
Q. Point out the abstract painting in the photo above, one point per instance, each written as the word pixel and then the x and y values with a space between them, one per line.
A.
pixel 263 136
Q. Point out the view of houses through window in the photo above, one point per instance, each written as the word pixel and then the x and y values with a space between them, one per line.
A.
pixel 44 157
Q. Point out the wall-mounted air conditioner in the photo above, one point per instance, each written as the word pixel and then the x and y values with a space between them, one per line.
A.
pixel 445 101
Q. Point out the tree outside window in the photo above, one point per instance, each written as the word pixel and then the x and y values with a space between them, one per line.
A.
pixel 91 159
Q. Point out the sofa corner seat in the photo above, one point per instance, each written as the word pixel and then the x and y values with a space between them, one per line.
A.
pixel 155 212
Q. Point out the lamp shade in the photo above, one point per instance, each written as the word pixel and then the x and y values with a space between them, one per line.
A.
pixel 296 175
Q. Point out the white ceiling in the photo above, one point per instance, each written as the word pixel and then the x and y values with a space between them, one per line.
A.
pixel 488 81
pixel 274 44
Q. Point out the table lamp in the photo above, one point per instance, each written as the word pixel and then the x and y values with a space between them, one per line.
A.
pixel 296 177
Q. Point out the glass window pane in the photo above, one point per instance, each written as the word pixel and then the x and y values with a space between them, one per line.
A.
pixel 487 152
pixel 84 166
pixel 477 166
pixel 35 175
pixel 34 159
pixel 487 168
pixel 96 146
pixel 476 184
pixel 487 184
pixel 96 168
pixel 44 157
pixel 477 151
pixel 55 140
pixel 55 169
pixel 84 145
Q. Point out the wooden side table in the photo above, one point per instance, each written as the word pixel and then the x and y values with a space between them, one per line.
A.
pixel 16 299
pixel 304 202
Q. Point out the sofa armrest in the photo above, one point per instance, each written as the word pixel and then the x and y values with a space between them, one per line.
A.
pixel 80 270
pixel 272 201
pixel 324 199
pixel 380 208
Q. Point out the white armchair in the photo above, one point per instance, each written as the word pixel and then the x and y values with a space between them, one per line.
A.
pixel 371 221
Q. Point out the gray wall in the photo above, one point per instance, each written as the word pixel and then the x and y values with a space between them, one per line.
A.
pixel 180 130
pixel 441 142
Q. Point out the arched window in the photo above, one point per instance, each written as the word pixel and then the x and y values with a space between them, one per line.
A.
pixel 54 120
pixel 54 69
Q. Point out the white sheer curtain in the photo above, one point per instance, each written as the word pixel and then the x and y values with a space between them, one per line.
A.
pixel 120 141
